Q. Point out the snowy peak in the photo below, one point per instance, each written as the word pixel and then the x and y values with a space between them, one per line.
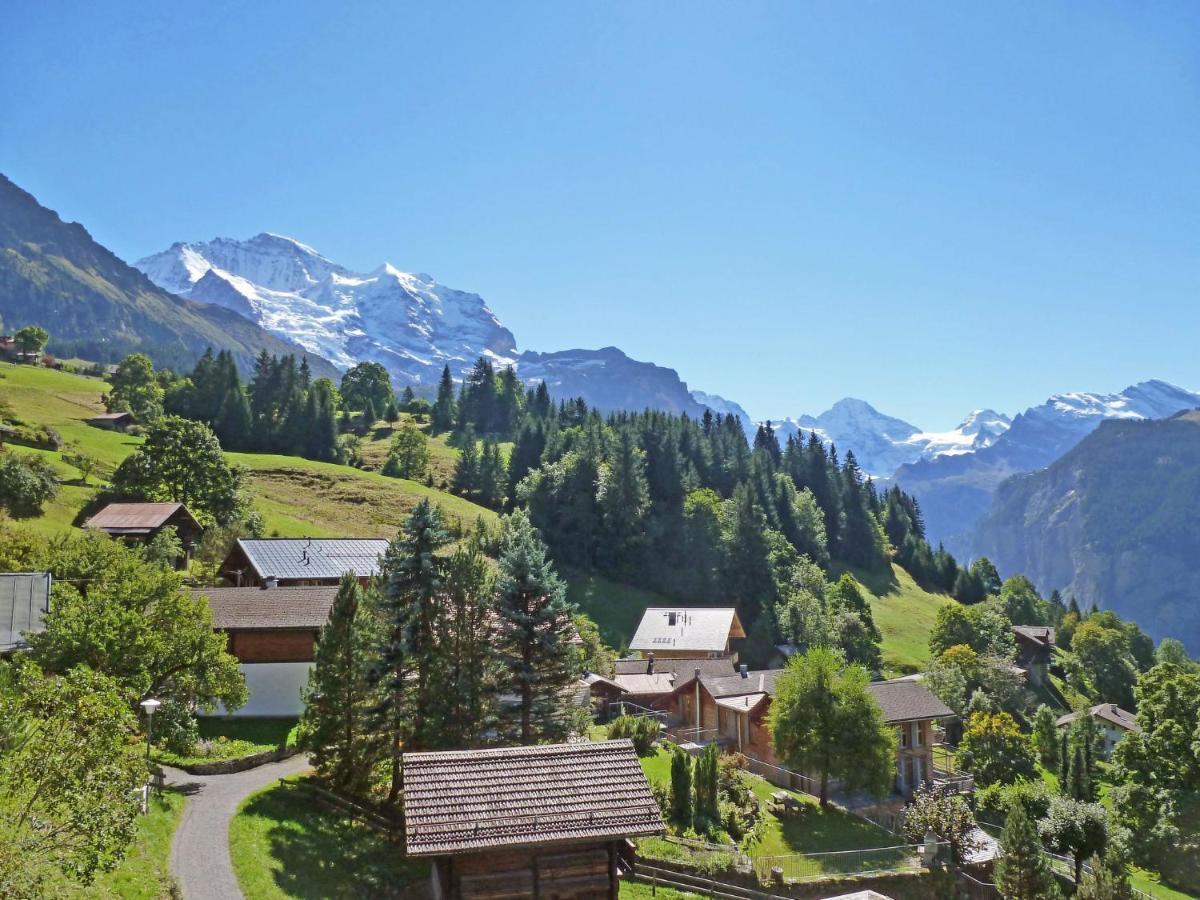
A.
pixel 408 322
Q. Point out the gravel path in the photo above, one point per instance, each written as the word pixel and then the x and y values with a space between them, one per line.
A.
pixel 200 849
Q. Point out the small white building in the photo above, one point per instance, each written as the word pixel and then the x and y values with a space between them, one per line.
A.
pixel 1114 724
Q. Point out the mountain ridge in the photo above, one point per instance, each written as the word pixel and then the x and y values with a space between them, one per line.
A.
pixel 53 273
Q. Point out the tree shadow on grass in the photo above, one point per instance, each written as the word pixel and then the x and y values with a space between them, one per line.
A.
pixel 318 854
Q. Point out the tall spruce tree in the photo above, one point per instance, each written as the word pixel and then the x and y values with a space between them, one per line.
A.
pixel 411 576
pixel 539 662
pixel 442 417
pixel 467 661
pixel 1022 871
pixel 339 697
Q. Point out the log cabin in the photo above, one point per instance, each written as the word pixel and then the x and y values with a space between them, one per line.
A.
pixel 551 821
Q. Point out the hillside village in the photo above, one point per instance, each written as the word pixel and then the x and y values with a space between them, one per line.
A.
pixel 422 648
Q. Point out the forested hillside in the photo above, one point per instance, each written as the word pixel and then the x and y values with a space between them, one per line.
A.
pixel 1114 522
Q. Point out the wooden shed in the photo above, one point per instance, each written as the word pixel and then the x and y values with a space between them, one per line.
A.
pixel 142 522
pixel 549 821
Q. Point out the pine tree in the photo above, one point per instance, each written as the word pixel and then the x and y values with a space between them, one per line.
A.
pixel 466 469
pixel 681 789
pixel 391 413
pixel 411 577
pixel 1022 871
pixel 339 696
pixel 467 669
pixel 442 418
pixel 707 777
pixel 624 501
pixel 1045 736
pixel 538 661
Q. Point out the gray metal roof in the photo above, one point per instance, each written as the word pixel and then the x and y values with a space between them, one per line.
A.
pixel 313 558
pixel 679 628
pixel 24 602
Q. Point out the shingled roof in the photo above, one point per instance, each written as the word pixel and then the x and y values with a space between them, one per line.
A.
pixel 313 558
pixel 256 609
pixel 1109 712
pixel 903 700
pixel 468 800
pixel 135 518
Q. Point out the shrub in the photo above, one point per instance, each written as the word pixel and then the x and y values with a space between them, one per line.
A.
pixel 26 483
pixel 994 800
pixel 642 730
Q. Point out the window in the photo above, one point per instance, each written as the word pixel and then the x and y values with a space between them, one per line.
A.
pixel 916 734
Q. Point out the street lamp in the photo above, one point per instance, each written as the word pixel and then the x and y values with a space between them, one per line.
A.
pixel 150 705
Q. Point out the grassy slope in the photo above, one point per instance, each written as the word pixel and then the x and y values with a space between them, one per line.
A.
pixel 144 874
pixel 284 846
pixel 615 608
pixel 297 497
pixel 904 612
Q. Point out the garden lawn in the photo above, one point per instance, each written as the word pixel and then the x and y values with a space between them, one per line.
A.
pixel 284 846
pixel 658 766
pixel 636 890
pixel 814 830
pixel 234 737
pixel 905 613
pixel 144 874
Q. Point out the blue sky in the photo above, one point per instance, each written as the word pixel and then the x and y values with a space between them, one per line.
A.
pixel 933 207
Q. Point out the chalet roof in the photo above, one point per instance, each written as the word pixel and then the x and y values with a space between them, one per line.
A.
pixel 658 683
pixel 905 701
pixel 760 681
pixel 591 679
pixel 743 703
pixel 111 417
pixel 702 629
pixel 135 518
pixel 682 667
pixel 1109 712
pixel 256 609
pixel 24 601
pixel 313 558
pixel 1040 635
pixel 468 800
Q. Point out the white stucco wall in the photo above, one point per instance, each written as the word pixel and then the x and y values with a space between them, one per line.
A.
pixel 274 689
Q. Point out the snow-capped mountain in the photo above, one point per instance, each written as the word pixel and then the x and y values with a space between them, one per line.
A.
pixel 408 322
pixel 882 443
pixel 955 491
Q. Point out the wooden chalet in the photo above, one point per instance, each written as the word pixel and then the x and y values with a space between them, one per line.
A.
pixel 1035 650
pixel 273 633
pixel 732 709
pixel 1112 722
pixel 550 821
pixel 300 562
pixel 140 523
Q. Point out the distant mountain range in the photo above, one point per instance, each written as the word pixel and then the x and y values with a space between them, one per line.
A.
pixel 955 490
pixel 53 274
pixel 1115 521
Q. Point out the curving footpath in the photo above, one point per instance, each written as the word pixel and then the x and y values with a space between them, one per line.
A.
pixel 200 849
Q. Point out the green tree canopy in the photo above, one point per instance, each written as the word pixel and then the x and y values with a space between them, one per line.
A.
pixel 1022 871
pixel 135 389
pixel 408 456
pixel 134 622
pixel 182 461
pixel 994 749
pixel 367 383
pixel 68 776
pixel 31 339
pixel 823 719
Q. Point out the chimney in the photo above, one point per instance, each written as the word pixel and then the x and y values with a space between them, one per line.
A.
pixel 271 581
pixel 671 617
pixel 650 664
pixel 744 670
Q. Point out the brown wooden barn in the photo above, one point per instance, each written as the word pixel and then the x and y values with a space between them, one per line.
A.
pixel 549 821
pixel 140 523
